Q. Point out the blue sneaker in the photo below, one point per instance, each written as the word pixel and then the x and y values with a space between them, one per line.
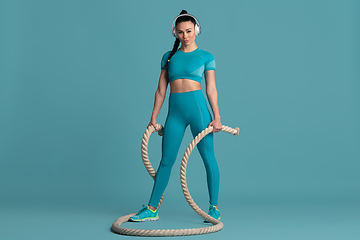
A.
pixel 213 212
pixel 145 214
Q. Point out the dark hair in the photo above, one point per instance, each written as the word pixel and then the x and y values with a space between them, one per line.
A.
pixel 177 41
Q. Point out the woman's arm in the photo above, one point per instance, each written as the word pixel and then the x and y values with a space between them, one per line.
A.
pixel 159 96
pixel 212 95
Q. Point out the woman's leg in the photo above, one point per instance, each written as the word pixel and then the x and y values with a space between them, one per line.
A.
pixel 174 129
pixel 200 120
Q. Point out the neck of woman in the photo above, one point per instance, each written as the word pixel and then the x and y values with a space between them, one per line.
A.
pixel 188 48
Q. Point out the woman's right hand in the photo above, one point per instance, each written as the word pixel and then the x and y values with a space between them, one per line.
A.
pixel 153 123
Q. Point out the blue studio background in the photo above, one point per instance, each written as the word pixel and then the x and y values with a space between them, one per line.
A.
pixel 77 84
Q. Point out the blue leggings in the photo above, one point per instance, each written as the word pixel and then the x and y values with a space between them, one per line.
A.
pixel 186 108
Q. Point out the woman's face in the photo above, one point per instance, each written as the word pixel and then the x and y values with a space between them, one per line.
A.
pixel 186 32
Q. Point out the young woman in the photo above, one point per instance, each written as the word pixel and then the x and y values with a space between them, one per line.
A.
pixel 184 68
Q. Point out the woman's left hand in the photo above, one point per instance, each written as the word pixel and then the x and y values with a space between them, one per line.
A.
pixel 216 123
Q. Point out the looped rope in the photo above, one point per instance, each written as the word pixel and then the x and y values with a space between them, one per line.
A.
pixel 217 225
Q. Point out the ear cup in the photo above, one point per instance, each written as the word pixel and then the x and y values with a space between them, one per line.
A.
pixel 197 30
pixel 174 32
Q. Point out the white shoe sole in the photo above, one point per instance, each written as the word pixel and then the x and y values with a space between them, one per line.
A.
pixel 148 219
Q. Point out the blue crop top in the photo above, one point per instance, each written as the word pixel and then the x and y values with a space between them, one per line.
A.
pixel 188 65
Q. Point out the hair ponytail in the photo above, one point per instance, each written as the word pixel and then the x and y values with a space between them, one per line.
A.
pixel 175 48
pixel 176 44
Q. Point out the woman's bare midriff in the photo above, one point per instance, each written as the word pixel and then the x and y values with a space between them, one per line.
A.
pixel 184 85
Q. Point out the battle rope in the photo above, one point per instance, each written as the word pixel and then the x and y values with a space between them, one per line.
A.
pixel 217 225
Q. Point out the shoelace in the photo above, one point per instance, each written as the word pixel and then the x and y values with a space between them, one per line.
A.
pixel 212 211
pixel 142 210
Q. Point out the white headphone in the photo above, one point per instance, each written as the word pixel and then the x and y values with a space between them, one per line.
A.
pixel 197 25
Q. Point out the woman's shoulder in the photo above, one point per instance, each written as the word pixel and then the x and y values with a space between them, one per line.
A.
pixel 166 54
pixel 207 54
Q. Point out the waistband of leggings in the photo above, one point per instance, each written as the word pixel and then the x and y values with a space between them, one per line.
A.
pixel 186 97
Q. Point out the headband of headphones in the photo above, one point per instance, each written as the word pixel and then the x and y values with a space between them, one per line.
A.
pixel 197 25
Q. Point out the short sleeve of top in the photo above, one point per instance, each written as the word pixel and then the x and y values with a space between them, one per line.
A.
pixel 188 65
pixel 164 59
pixel 210 63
